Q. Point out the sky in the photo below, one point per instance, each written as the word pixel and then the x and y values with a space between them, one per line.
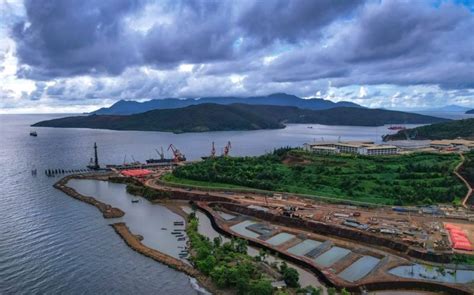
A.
pixel 77 56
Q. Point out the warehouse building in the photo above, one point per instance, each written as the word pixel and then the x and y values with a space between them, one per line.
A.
pixel 368 148
pixel 462 145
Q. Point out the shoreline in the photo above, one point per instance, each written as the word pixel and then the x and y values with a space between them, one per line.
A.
pixel 107 210
pixel 131 240
pixel 134 243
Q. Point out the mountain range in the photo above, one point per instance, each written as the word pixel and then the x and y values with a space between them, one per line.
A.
pixel 217 117
pixel 125 107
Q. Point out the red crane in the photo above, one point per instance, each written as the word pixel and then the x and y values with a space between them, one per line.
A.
pixel 178 156
pixel 227 149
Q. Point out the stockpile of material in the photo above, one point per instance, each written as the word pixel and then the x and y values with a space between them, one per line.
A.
pixel 136 172
pixel 458 237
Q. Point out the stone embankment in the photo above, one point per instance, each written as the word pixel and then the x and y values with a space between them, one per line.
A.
pixel 107 210
pixel 133 242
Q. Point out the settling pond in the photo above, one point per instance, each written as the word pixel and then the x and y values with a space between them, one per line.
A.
pixel 155 222
pixel 425 272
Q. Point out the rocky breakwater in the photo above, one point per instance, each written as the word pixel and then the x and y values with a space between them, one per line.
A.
pixel 134 242
pixel 107 210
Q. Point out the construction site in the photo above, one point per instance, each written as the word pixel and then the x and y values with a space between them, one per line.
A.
pixel 425 228
pixel 346 245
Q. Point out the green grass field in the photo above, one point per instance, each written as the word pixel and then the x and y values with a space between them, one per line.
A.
pixel 420 178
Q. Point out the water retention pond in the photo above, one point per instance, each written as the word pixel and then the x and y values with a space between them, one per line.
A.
pixel 156 222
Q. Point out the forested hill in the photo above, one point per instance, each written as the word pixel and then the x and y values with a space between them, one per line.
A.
pixel 470 111
pixel 125 107
pixel 447 130
pixel 214 117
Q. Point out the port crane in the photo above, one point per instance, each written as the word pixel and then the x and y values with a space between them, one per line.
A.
pixel 161 154
pixel 227 149
pixel 178 156
pixel 213 150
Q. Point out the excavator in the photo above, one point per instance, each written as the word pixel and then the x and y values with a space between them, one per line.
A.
pixel 178 156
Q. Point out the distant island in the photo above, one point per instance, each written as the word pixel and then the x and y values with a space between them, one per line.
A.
pixel 470 111
pixel 125 107
pixel 215 117
pixel 446 130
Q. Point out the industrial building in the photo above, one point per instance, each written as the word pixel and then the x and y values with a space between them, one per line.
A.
pixel 368 148
pixel 462 145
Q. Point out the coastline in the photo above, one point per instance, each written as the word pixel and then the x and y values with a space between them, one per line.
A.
pixel 106 210
pixel 133 241
pixel 135 244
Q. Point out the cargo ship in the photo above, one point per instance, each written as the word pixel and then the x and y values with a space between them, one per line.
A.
pixel 397 128
pixel 162 158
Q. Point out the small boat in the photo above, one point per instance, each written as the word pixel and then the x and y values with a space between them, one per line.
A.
pixel 33 133
pixel 181 239
pixel 135 201
pixel 164 228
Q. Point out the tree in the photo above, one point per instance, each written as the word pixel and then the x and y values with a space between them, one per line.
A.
pixel 260 287
pixel 241 246
pixel 331 291
pixel 206 265
pixel 310 290
pixel 217 242
pixel 262 253
pixel 290 275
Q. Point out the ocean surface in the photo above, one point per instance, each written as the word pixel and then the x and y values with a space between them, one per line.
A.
pixel 51 243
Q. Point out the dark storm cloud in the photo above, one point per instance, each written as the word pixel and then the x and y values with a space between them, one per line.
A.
pixel 290 21
pixel 203 32
pixel 65 38
pixel 403 43
pixel 309 44
pixel 68 38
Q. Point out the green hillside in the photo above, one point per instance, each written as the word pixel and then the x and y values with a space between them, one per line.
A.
pixel 392 180
pixel 446 130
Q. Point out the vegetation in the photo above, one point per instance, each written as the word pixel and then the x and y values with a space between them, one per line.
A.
pixel 146 192
pixel 446 130
pixel 228 264
pixel 467 169
pixel 470 111
pixel 463 259
pixel 214 117
pixel 419 178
